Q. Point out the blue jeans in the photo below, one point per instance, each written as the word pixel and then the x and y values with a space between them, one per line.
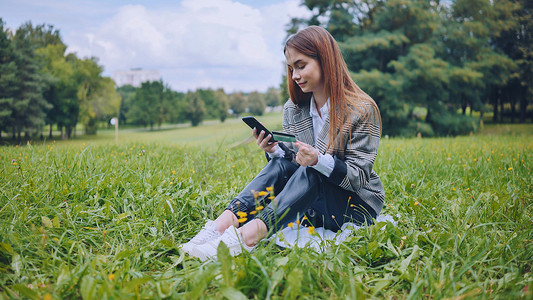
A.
pixel 299 191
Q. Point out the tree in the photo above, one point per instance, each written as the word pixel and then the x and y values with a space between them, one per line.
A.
pixel 237 103
pixel 29 105
pixel 105 102
pixel 196 108
pixel 414 53
pixel 93 92
pixel 41 35
pixel 127 95
pixel 394 60
pixel 8 71
pixel 178 106
pixel 272 97
pixel 469 36
pixel 516 42
pixel 212 106
pixel 146 105
pixel 387 90
pixel 57 73
pixel 223 106
pixel 256 103
pixel 61 87
pixel 70 104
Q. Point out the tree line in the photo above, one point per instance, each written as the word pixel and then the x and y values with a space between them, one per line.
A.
pixel 154 103
pixel 435 67
pixel 42 88
pixel 41 84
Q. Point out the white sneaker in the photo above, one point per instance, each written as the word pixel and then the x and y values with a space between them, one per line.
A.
pixel 209 232
pixel 231 237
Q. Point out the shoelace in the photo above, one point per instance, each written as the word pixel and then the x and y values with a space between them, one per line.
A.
pixel 231 239
pixel 204 234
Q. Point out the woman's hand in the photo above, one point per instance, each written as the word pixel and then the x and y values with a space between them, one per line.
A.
pixel 307 155
pixel 262 141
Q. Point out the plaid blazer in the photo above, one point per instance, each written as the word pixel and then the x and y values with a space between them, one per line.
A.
pixel 354 159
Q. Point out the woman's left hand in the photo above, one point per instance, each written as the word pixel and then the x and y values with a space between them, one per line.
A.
pixel 307 155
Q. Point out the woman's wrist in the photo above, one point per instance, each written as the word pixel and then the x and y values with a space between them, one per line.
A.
pixel 315 162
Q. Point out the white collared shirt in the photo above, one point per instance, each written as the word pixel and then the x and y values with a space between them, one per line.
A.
pixel 326 162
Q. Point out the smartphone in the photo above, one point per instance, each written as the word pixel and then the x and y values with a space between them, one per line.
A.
pixel 283 137
pixel 253 123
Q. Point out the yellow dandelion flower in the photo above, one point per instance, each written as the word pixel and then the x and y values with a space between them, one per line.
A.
pixel 509 169
pixel 352 205
pixel 297 222
pixel 311 230
pixel 304 218
pixel 111 276
pixel 260 207
pixel 173 172
pixel 416 203
pixel 270 189
pixel 14 163
pixel 242 220
pixel 262 193
pixel 241 214
pixel 453 189
pixel 271 197
pixel 253 212
pixel 291 224
pixel 47 297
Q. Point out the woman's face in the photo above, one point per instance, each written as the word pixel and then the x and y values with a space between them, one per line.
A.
pixel 306 71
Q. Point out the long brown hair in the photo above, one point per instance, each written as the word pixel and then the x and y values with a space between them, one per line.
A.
pixel 343 93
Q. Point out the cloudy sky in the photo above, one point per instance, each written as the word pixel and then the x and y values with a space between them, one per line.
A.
pixel 233 44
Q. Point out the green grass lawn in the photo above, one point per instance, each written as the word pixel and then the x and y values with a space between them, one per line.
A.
pixel 211 134
pixel 94 220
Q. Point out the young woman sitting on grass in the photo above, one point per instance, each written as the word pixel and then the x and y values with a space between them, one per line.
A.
pixel 325 178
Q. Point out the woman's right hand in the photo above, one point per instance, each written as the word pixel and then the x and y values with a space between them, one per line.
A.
pixel 262 141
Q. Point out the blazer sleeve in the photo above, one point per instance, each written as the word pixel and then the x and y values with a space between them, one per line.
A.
pixel 353 164
pixel 290 150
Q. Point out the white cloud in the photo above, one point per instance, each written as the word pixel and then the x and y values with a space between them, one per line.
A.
pixel 200 43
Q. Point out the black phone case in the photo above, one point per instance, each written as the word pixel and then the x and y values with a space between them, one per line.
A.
pixel 253 123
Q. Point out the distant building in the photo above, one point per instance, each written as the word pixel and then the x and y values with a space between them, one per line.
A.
pixel 135 77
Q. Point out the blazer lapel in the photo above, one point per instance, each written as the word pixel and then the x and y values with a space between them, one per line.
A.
pixel 321 143
pixel 304 125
